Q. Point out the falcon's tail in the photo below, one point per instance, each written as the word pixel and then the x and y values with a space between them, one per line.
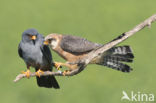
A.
pixel 48 82
pixel 115 56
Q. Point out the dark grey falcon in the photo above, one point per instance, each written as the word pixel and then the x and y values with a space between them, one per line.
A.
pixel 37 55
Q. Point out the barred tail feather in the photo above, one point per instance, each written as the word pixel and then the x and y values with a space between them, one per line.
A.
pixel 121 50
pixel 115 56
pixel 115 64
pixel 119 58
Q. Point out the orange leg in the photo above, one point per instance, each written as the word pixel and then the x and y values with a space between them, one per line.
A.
pixel 66 72
pixel 70 66
pixel 38 72
pixel 57 65
pixel 27 73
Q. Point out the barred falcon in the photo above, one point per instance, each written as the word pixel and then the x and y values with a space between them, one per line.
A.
pixel 73 48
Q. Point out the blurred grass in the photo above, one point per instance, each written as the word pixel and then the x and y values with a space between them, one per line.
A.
pixel 98 21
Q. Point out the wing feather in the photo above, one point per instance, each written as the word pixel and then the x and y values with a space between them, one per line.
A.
pixel 47 54
pixel 46 51
pixel 77 45
pixel 20 51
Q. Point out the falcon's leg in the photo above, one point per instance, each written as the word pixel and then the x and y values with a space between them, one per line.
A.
pixel 58 65
pixel 70 66
pixel 27 73
pixel 38 72
pixel 66 72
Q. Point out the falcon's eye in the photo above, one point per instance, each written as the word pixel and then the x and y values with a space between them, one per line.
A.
pixel 51 39
pixel 29 35
pixel 32 37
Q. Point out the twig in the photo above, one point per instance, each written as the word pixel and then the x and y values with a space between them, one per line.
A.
pixel 71 73
pixel 121 38
pixel 86 60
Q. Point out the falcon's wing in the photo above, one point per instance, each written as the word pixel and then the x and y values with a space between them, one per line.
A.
pixel 46 51
pixel 77 45
pixel 20 51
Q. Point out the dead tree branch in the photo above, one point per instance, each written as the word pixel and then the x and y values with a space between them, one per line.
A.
pixel 85 61
pixel 121 38
pixel 74 72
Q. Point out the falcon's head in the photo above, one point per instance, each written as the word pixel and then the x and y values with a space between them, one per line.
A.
pixel 30 36
pixel 52 40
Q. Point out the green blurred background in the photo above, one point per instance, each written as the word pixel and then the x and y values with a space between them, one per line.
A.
pixel 97 20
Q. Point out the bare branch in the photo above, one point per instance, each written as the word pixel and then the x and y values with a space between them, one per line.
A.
pixel 120 38
pixel 85 61
pixel 71 73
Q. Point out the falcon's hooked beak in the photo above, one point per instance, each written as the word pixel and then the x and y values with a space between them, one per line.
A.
pixel 46 42
pixel 33 37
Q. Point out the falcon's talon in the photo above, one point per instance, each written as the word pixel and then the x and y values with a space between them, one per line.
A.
pixel 38 72
pixel 27 73
pixel 57 65
pixel 65 72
